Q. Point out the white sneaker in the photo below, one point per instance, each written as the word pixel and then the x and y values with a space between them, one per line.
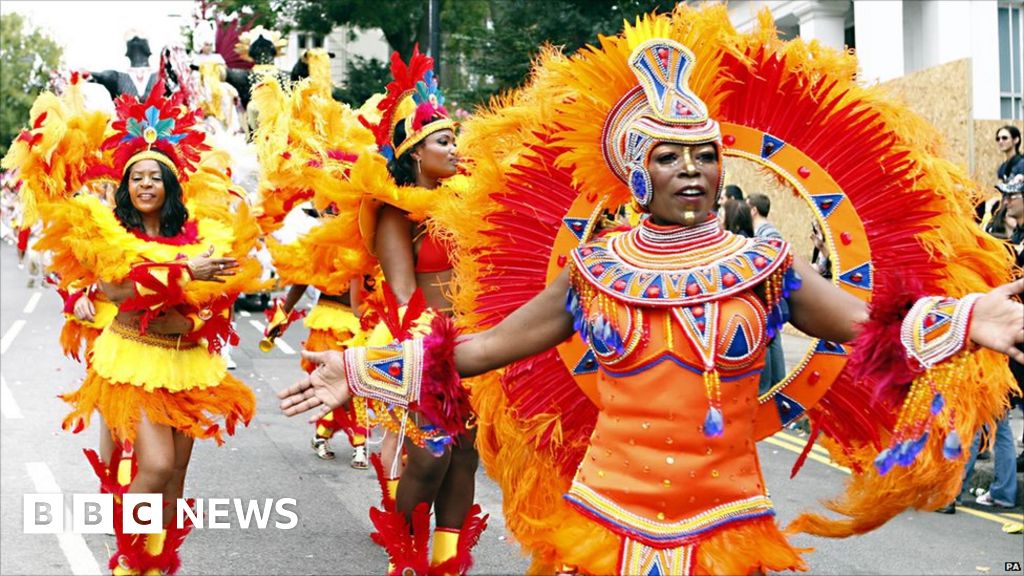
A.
pixel 359 458
pixel 987 500
pixel 322 447
pixel 228 359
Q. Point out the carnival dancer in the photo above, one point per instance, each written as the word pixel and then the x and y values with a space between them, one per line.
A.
pixel 396 194
pixel 172 255
pixel 655 454
pixel 298 158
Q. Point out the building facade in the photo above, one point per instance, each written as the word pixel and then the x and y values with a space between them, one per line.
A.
pixel 958 63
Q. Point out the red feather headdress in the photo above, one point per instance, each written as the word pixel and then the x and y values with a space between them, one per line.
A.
pixel 161 129
pixel 412 98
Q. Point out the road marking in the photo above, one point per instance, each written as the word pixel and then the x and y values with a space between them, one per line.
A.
pixel 810 456
pixel 787 442
pixel 279 342
pixel 10 335
pixel 245 313
pixel 8 407
pixel 801 441
pixel 73 545
pixel 32 302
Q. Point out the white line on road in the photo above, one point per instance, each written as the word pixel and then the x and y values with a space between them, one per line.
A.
pixel 279 342
pixel 73 545
pixel 32 302
pixel 8 407
pixel 10 335
pixel 245 313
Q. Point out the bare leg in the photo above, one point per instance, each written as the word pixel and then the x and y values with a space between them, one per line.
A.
pixel 176 486
pixel 155 455
pixel 389 453
pixel 106 443
pixel 455 497
pixel 421 478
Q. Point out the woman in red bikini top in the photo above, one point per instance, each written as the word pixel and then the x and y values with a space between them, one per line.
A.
pixel 418 140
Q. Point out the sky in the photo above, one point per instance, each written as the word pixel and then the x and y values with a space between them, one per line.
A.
pixel 92 32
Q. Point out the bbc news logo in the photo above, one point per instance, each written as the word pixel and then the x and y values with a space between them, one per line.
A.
pixel 143 513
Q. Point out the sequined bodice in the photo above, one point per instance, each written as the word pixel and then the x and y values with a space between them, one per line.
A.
pixel 652 470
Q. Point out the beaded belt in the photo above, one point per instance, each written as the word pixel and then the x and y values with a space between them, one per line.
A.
pixel 130 331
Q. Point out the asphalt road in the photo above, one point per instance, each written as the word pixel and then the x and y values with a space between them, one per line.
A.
pixel 272 459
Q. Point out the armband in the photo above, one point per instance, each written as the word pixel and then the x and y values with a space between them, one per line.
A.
pixel 934 334
pixel 418 374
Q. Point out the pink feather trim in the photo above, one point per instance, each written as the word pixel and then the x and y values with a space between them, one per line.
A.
pixel 443 399
pixel 878 360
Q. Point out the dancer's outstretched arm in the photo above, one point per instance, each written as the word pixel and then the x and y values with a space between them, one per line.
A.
pixel 538 325
pixel 825 311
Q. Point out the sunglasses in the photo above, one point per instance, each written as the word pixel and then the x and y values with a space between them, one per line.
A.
pixel 1001 138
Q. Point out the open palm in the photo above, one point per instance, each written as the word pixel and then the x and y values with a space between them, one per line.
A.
pixel 325 387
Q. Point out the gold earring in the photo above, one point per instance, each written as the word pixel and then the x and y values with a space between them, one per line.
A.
pixel 417 165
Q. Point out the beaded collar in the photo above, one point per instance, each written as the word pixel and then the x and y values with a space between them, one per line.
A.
pixel 655 265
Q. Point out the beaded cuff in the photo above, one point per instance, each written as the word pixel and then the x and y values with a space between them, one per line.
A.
pixel 392 374
pixel 419 375
pixel 934 334
pixel 936 328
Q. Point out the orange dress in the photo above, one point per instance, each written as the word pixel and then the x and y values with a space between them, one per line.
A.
pixel 680 334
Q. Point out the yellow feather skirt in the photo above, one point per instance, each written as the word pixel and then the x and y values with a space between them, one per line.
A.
pixel 174 383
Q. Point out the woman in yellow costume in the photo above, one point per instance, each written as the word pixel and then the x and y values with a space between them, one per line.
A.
pixel 305 141
pixel 653 451
pixel 172 255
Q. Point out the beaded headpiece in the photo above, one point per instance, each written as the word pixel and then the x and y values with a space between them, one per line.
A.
pixel 662 108
pixel 413 100
pixel 161 129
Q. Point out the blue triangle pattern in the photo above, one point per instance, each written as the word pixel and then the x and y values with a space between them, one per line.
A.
pixel 576 225
pixel 739 346
pixel 770 145
pixel 380 367
pixel 826 347
pixel 859 276
pixel 827 203
pixel 587 364
pixel 789 409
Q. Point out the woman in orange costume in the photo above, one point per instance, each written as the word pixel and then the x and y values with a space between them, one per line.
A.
pixel 661 477
pixel 172 257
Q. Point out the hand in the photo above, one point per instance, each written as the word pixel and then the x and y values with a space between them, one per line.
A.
pixel 325 386
pixel 998 320
pixel 203 267
pixel 84 309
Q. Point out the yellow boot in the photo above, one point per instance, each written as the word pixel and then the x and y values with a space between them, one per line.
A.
pixel 154 547
pixel 444 546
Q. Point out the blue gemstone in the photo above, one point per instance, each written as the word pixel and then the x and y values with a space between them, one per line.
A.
pixel 951 448
pixel 713 423
pixel 937 404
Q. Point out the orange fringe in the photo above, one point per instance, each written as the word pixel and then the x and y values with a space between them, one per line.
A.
pixel 320 340
pixel 74 335
pixel 192 411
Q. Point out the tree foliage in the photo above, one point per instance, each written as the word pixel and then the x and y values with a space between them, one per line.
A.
pixel 363 78
pixel 487 45
pixel 26 58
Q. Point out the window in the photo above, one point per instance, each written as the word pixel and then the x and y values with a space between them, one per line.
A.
pixel 1011 60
